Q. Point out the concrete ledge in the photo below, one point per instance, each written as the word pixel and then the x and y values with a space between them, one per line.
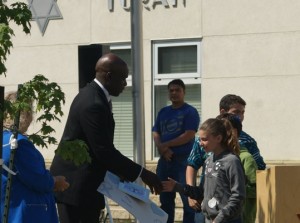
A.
pixel 119 214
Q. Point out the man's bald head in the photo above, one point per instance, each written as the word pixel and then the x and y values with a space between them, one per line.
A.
pixel 112 72
pixel 110 63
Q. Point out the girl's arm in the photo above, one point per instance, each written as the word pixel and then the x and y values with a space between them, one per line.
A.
pixel 194 192
pixel 190 191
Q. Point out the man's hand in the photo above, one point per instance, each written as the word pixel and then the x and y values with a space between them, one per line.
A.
pixel 165 152
pixel 152 180
pixel 168 155
pixel 60 183
pixel 169 185
pixel 162 149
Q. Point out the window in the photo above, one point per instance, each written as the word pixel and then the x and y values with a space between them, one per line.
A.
pixel 124 52
pixel 123 107
pixel 122 110
pixel 173 60
pixel 176 60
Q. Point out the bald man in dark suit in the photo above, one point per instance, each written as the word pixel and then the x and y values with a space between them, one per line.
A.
pixel 90 119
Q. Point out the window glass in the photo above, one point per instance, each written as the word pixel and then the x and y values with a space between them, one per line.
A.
pixel 177 59
pixel 122 110
pixel 124 54
pixel 122 107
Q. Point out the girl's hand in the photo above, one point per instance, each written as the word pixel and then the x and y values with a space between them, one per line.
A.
pixel 195 204
pixel 168 186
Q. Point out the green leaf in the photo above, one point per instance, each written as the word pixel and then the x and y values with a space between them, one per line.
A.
pixel 18 13
pixel 75 151
pixel 37 140
pixel 48 98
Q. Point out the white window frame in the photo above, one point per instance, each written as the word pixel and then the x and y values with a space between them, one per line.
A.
pixel 121 47
pixel 120 125
pixel 189 78
pixel 164 79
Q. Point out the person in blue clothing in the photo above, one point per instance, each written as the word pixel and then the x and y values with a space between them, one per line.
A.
pixel 31 197
pixel 195 161
pixel 233 104
pixel 174 134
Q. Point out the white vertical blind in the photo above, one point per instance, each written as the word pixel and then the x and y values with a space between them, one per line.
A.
pixel 122 110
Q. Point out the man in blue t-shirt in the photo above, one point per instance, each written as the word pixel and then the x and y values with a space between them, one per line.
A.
pixel 174 134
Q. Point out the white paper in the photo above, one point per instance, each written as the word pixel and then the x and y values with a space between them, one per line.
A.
pixel 135 190
pixel 146 212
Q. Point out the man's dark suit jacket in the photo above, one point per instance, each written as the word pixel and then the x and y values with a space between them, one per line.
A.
pixel 91 120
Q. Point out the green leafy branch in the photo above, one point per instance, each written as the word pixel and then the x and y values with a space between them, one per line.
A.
pixel 75 151
pixel 47 98
pixel 20 14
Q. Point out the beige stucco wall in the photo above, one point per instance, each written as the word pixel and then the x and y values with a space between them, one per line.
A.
pixel 248 48
pixel 252 49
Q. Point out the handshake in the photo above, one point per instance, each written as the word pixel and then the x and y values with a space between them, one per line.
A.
pixel 152 180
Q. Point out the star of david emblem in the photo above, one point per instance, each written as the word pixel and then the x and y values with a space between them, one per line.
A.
pixel 42 11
